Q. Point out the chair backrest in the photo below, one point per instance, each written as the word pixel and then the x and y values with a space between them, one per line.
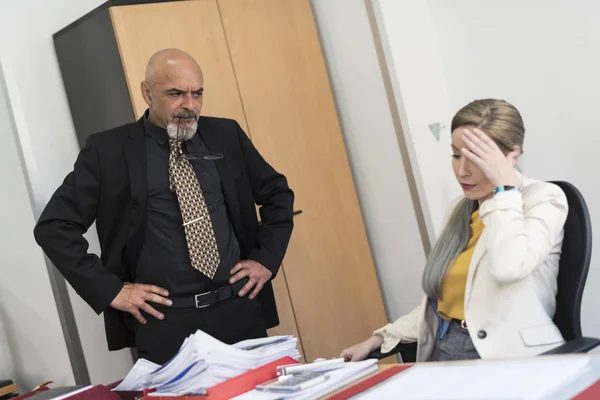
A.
pixel 574 263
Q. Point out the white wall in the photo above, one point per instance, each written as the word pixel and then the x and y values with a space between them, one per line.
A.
pixel 7 366
pixel 368 128
pixel 48 139
pixel 32 336
pixel 542 56
pixel 410 50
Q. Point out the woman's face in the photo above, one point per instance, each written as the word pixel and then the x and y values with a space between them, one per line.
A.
pixel 473 181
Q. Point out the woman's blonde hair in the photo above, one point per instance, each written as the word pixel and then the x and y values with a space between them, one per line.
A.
pixel 502 122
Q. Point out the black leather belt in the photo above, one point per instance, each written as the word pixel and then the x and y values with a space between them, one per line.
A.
pixel 207 299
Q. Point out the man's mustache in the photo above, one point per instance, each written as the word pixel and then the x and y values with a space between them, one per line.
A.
pixel 186 115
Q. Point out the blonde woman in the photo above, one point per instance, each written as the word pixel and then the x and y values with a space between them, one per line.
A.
pixel 491 279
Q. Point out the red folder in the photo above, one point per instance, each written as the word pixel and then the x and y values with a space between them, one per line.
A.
pixel 223 391
pixel 591 393
pixel 371 381
pixel 234 386
pixel 30 394
pixel 98 392
pixel 39 389
pixel 125 395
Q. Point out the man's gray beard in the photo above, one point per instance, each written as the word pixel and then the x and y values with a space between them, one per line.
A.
pixel 184 133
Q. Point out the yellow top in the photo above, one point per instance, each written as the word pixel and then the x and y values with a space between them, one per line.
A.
pixel 452 304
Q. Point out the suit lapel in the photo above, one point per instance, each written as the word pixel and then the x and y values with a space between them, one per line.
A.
pixel 214 142
pixel 478 254
pixel 480 249
pixel 135 154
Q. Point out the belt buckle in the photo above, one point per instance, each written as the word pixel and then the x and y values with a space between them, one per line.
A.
pixel 197 301
pixel 463 324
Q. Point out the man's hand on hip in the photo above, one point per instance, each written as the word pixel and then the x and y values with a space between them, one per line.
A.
pixel 133 297
pixel 257 275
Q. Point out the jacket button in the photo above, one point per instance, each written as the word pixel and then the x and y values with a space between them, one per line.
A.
pixel 481 334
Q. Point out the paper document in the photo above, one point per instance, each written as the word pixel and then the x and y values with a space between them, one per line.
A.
pixel 252 344
pixel 139 376
pixel 338 378
pixel 532 379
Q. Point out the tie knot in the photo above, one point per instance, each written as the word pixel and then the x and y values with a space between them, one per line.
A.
pixel 175 145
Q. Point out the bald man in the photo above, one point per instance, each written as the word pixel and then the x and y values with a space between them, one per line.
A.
pixel 173 196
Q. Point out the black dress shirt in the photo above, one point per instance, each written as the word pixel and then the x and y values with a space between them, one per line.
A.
pixel 164 259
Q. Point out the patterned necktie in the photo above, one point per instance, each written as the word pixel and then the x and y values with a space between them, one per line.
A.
pixel 199 232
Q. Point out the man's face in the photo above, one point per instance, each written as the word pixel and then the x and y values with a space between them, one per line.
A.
pixel 175 96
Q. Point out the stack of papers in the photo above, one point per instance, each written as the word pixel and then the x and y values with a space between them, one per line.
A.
pixel 203 361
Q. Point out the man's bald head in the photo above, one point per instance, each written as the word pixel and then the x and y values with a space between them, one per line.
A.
pixel 173 88
pixel 166 61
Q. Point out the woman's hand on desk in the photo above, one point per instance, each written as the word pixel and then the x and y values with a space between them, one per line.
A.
pixel 133 297
pixel 360 351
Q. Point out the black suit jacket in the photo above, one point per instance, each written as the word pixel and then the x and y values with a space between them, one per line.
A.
pixel 109 185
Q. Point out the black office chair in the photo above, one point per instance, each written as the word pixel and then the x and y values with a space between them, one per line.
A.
pixel 572 274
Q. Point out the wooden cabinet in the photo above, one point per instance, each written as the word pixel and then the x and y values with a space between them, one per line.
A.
pixel 262 66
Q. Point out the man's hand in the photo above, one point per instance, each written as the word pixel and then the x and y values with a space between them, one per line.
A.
pixel 133 297
pixel 257 275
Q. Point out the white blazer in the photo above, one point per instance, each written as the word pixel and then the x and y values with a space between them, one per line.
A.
pixel 512 281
